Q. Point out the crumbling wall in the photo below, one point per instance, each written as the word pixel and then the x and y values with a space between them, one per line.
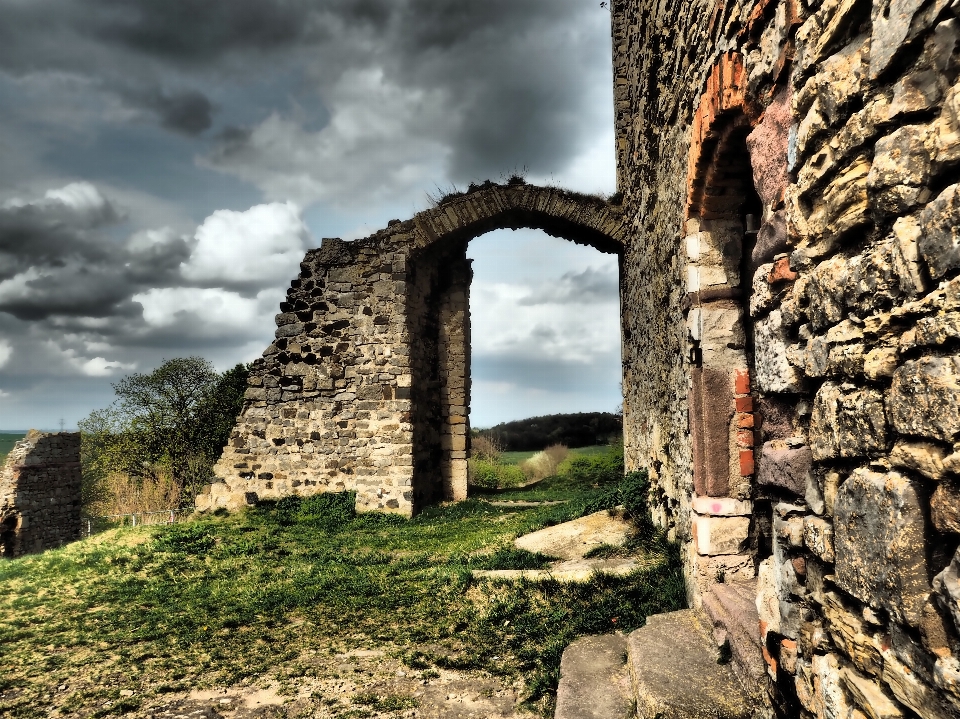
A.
pixel 848 484
pixel 40 493
pixel 367 385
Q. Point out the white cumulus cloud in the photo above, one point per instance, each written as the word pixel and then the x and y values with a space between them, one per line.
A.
pixel 262 247
pixel 207 311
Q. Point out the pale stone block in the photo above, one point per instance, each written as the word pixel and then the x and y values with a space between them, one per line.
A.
pixel 722 506
pixel 720 535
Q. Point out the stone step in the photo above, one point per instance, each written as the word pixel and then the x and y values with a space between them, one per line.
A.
pixel 595 679
pixel 673 662
pixel 731 608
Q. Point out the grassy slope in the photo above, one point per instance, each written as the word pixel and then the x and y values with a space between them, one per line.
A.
pixel 6 443
pixel 222 599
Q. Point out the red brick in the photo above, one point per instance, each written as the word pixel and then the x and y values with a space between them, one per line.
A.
pixel 744 404
pixel 745 421
pixel 781 271
pixel 742 381
pixel 745 438
pixel 746 462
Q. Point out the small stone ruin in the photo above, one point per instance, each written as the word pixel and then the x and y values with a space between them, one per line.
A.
pixel 40 493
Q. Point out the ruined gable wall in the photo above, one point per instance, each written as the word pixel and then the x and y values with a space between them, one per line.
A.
pixel 852 341
pixel 40 493
pixel 328 405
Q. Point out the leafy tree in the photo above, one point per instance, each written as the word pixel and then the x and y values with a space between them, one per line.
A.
pixel 179 416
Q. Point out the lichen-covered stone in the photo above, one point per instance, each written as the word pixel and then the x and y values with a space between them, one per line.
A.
pixel 847 423
pixel 818 538
pixel 774 372
pixel 945 507
pixel 924 398
pixel 939 242
pixel 880 543
pixel 925 458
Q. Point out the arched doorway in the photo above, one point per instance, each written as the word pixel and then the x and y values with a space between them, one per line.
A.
pixel 366 387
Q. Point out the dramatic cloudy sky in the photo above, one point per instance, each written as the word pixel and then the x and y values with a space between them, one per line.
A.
pixel 164 164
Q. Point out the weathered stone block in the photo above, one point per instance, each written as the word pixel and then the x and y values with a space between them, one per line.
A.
pixel 891 25
pixel 924 398
pixel 945 507
pixel 880 534
pixel 720 535
pixel 901 168
pixel 847 423
pixel 825 293
pixel 784 466
pixel 924 458
pixel 939 242
pixel 722 507
pixel 774 372
pixel 869 696
pixel 818 537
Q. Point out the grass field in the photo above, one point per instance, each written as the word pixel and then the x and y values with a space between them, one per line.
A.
pixel 113 624
pixel 6 443
pixel 518 457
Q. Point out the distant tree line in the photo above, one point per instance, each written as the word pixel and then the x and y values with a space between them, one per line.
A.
pixel 582 429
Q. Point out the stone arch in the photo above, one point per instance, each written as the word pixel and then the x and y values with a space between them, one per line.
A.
pixel 723 213
pixel 366 386
pixel 734 227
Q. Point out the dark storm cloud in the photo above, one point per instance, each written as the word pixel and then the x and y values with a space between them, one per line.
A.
pixel 511 73
pixel 586 287
pixel 187 112
pixel 57 257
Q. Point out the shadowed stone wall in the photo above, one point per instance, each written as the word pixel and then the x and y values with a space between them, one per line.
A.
pixel 40 493
pixel 791 289
pixel 367 385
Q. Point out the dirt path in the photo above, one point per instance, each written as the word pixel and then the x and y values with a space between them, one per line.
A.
pixel 362 683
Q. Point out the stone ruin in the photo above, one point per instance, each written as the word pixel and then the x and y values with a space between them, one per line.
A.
pixel 367 385
pixel 40 493
pixel 790 313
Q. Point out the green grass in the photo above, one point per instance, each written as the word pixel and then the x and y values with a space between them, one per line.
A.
pixel 518 457
pixel 226 599
pixel 515 457
pixel 6 443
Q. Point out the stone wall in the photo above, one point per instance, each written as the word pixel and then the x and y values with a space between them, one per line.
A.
pixel 791 301
pixel 40 493
pixel 367 385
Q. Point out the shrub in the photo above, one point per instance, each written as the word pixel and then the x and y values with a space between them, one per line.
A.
pixel 598 469
pixel 544 464
pixel 486 448
pixel 121 493
pixel 490 475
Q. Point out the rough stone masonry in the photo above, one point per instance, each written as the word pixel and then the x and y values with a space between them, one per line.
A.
pixel 791 327
pixel 40 493
pixel 790 313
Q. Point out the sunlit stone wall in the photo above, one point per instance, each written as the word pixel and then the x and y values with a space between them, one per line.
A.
pixel 833 374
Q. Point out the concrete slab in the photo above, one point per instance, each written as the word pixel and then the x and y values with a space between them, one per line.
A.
pixel 571 540
pixel 595 679
pixel 573 570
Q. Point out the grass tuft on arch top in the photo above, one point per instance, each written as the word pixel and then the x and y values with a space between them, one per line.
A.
pixel 115 623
